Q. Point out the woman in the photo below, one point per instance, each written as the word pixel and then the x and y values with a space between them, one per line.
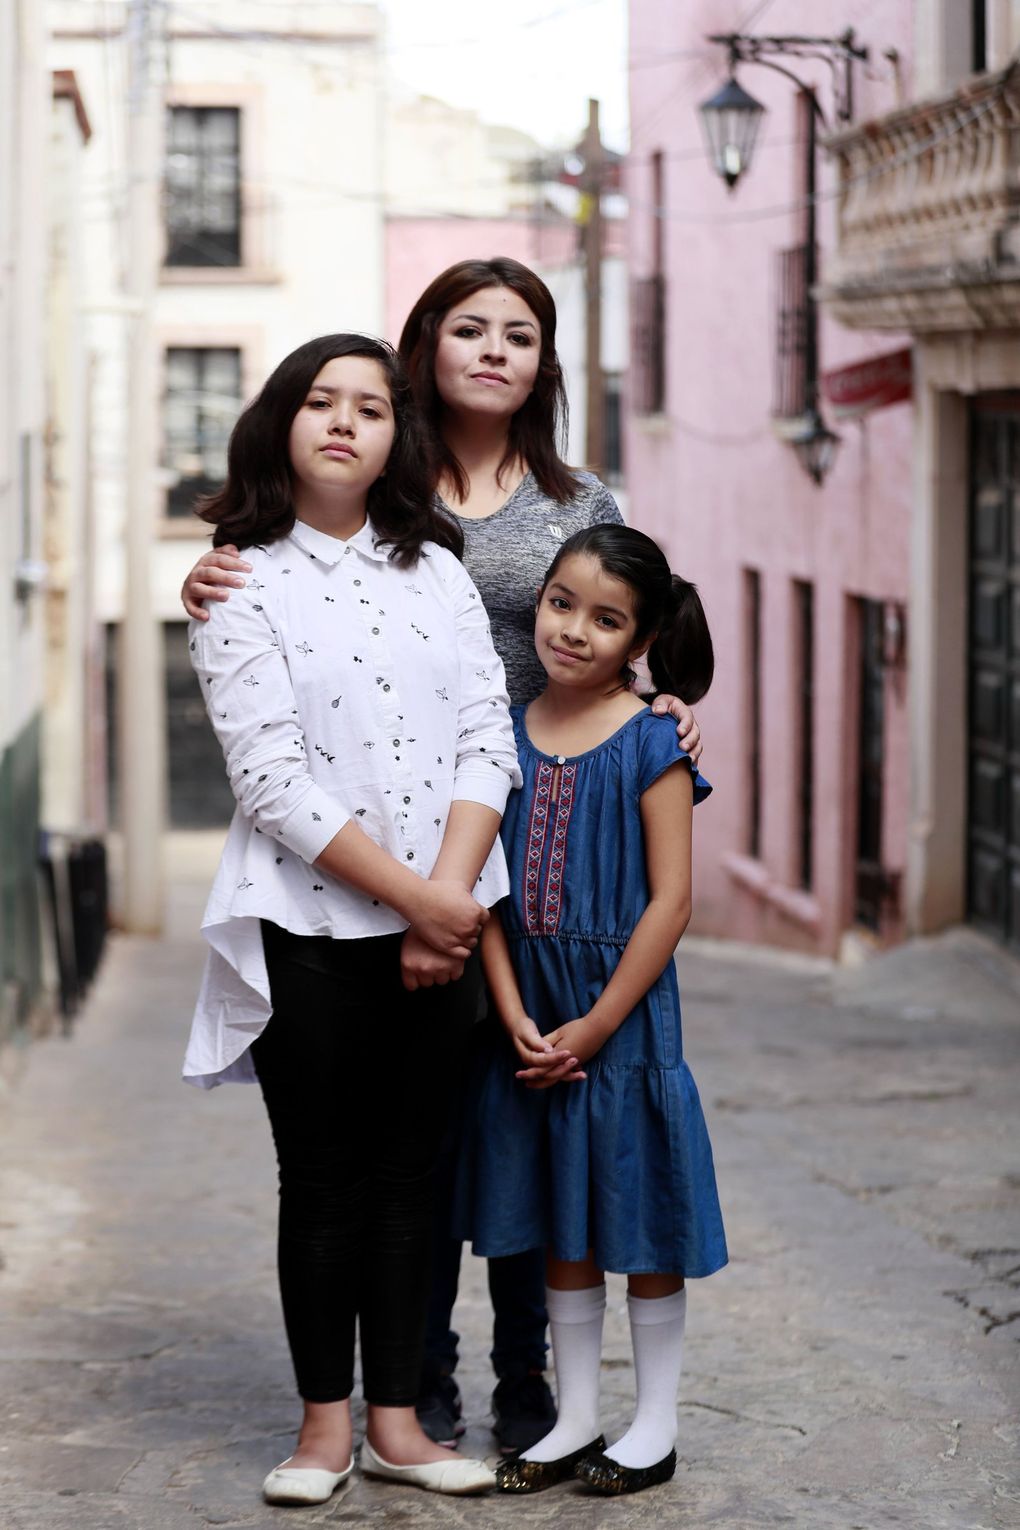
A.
pixel 362 712
pixel 480 349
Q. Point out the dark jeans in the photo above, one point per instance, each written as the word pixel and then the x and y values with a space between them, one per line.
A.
pixel 516 1283
pixel 358 1077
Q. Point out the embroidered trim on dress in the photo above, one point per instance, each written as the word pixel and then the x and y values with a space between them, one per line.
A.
pixel 543 898
pixel 534 844
pixel 557 855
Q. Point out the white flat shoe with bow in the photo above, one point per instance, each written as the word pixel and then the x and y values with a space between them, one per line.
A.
pixel 455 1477
pixel 302 1484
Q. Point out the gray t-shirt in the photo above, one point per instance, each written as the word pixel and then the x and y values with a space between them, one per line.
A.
pixel 507 555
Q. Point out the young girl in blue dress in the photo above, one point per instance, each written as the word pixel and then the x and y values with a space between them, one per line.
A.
pixel 589 1137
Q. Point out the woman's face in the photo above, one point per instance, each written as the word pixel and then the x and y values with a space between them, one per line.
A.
pixel 487 353
pixel 341 436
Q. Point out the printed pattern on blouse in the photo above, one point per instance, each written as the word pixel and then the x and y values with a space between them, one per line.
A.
pixel 543 894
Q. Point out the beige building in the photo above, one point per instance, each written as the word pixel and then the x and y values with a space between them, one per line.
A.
pixel 50 771
pixel 928 243
pixel 270 233
pixel 23 142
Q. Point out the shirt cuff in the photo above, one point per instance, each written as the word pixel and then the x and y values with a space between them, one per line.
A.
pixel 490 787
pixel 313 823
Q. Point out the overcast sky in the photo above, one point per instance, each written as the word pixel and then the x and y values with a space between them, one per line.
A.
pixel 532 65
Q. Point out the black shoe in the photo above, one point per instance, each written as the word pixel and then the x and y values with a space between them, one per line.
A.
pixel 516 1476
pixel 439 1412
pixel 603 1475
pixel 523 1410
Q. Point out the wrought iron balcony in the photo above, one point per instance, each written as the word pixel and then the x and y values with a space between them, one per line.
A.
pixel 929 213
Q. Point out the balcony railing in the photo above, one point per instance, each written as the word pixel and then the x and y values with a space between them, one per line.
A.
pixel 929 213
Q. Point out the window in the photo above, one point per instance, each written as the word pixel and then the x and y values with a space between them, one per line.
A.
pixel 648 309
pixel 752 619
pixel 790 387
pixel 978 37
pixel 612 455
pixel 201 401
pixel 804 616
pixel 796 336
pixel 203 186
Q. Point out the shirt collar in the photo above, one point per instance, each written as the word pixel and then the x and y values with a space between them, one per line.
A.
pixel 329 550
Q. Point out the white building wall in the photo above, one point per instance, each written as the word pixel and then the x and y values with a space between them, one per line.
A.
pixel 73 746
pixel 23 144
pixel 308 88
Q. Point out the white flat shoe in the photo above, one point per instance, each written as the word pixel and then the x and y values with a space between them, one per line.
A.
pixel 463 1476
pixel 302 1484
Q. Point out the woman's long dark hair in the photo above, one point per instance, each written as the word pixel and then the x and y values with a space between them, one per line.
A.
pixel 540 425
pixel 680 660
pixel 256 504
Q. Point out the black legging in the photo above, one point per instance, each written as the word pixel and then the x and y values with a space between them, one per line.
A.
pixel 357 1075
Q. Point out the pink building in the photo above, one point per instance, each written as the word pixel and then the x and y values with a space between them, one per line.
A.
pixel 837 726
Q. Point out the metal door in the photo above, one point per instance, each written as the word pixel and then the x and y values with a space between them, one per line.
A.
pixel 993 806
pixel 871 887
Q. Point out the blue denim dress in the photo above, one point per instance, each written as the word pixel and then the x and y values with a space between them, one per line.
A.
pixel 621 1163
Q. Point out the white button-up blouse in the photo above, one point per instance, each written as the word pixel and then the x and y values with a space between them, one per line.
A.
pixel 340 687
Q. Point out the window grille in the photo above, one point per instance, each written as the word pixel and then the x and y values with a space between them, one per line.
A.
pixel 201 401
pixel 203 186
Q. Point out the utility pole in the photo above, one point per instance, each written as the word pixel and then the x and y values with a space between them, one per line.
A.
pixel 141 722
pixel 592 241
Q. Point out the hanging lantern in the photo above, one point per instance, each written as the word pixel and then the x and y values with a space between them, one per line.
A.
pixel 730 121
pixel 816 447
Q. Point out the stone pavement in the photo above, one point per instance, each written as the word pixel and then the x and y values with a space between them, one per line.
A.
pixel 857 1365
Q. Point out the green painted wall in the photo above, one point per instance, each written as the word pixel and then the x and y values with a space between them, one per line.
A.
pixel 20 947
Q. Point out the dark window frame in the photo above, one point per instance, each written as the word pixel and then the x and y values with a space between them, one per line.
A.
pixel 753 710
pixel 212 426
pixel 804 617
pixel 203 189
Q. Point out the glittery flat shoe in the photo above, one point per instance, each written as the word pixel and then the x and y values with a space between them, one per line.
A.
pixel 604 1475
pixel 457 1477
pixel 516 1475
pixel 302 1484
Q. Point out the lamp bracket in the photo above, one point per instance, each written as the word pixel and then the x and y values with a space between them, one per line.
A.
pixel 838 52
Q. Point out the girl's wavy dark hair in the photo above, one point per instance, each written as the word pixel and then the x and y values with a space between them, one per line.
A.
pixel 680 659
pixel 539 428
pixel 256 504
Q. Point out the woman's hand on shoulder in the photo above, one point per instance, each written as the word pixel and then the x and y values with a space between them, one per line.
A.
pixel 687 731
pixel 212 578
pixel 422 966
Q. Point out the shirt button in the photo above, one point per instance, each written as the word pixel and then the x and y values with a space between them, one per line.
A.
pixel 407 799
pixel 385 687
pixel 375 631
pixel 410 855
pixel 357 581
pixel 396 743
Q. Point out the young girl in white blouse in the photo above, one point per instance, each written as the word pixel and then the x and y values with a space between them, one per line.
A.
pixel 363 716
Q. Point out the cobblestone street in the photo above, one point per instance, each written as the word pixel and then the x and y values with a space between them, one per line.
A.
pixel 857 1364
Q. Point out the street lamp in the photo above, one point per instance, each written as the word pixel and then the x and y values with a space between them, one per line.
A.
pixel 816 447
pixel 730 121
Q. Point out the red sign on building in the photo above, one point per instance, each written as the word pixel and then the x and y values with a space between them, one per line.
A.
pixel 868 385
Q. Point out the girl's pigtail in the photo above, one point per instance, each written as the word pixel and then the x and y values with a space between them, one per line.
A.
pixel 681 660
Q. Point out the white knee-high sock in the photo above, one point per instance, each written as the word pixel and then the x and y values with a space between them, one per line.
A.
pixel 575 1326
pixel 657 1333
